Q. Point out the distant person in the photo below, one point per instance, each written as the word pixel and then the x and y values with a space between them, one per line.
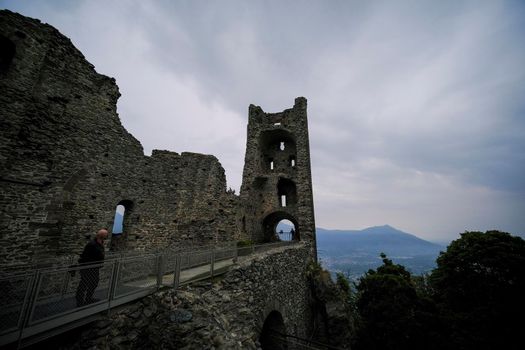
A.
pixel 292 234
pixel 89 277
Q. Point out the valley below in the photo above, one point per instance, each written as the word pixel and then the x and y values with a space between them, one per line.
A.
pixel 353 252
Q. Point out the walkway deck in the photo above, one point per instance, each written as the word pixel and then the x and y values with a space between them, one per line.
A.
pixel 40 304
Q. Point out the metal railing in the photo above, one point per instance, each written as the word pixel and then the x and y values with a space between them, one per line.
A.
pixel 40 300
pixel 68 260
pixel 286 235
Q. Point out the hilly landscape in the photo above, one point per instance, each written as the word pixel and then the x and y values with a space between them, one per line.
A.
pixel 353 252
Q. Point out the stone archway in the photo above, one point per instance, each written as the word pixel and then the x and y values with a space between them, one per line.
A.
pixel 273 334
pixel 271 221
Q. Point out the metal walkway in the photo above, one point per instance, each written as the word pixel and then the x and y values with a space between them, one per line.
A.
pixel 41 303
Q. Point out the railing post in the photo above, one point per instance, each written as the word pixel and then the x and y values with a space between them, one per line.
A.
pixel 114 279
pixel 33 300
pixel 65 285
pixel 236 253
pixel 29 301
pixel 212 268
pixel 176 273
pixel 160 270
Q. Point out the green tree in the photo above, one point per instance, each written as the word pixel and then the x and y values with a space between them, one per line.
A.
pixel 343 283
pixel 348 292
pixel 392 314
pixel 479 284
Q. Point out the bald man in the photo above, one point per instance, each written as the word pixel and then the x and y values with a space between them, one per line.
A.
pixel 93 253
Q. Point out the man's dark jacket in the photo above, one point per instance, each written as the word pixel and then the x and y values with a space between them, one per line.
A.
pixel 93 252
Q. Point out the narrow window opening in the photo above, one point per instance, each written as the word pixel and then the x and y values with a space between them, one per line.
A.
pixel 271 164
pixel 292 162
pixel 286 192
pixel 123 225
pixel 276 124
pixel 281 146
pixel 118 223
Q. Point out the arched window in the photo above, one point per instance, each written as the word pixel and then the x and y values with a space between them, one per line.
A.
pixel 122 214
pixel 121 225
pixel 118 222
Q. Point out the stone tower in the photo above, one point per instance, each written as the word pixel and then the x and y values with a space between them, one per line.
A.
pixel 277 181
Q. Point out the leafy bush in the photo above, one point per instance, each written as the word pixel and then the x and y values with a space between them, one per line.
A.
pixel 245 243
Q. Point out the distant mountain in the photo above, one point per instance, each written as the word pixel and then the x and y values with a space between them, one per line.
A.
pixel 374 240
pixel 355 251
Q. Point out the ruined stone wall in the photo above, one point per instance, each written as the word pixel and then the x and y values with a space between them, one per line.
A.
pixel 277 162
pixel 66 161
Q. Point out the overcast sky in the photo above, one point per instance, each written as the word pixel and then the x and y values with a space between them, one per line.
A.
pixel 416 108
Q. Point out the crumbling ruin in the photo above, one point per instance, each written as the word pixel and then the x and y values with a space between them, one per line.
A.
pixel 66 162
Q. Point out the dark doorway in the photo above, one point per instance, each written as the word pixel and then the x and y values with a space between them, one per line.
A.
pixel 273 334
pixel 7 52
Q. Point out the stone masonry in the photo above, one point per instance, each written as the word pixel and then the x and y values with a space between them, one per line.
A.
pixel 66 161
pixel 277 180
